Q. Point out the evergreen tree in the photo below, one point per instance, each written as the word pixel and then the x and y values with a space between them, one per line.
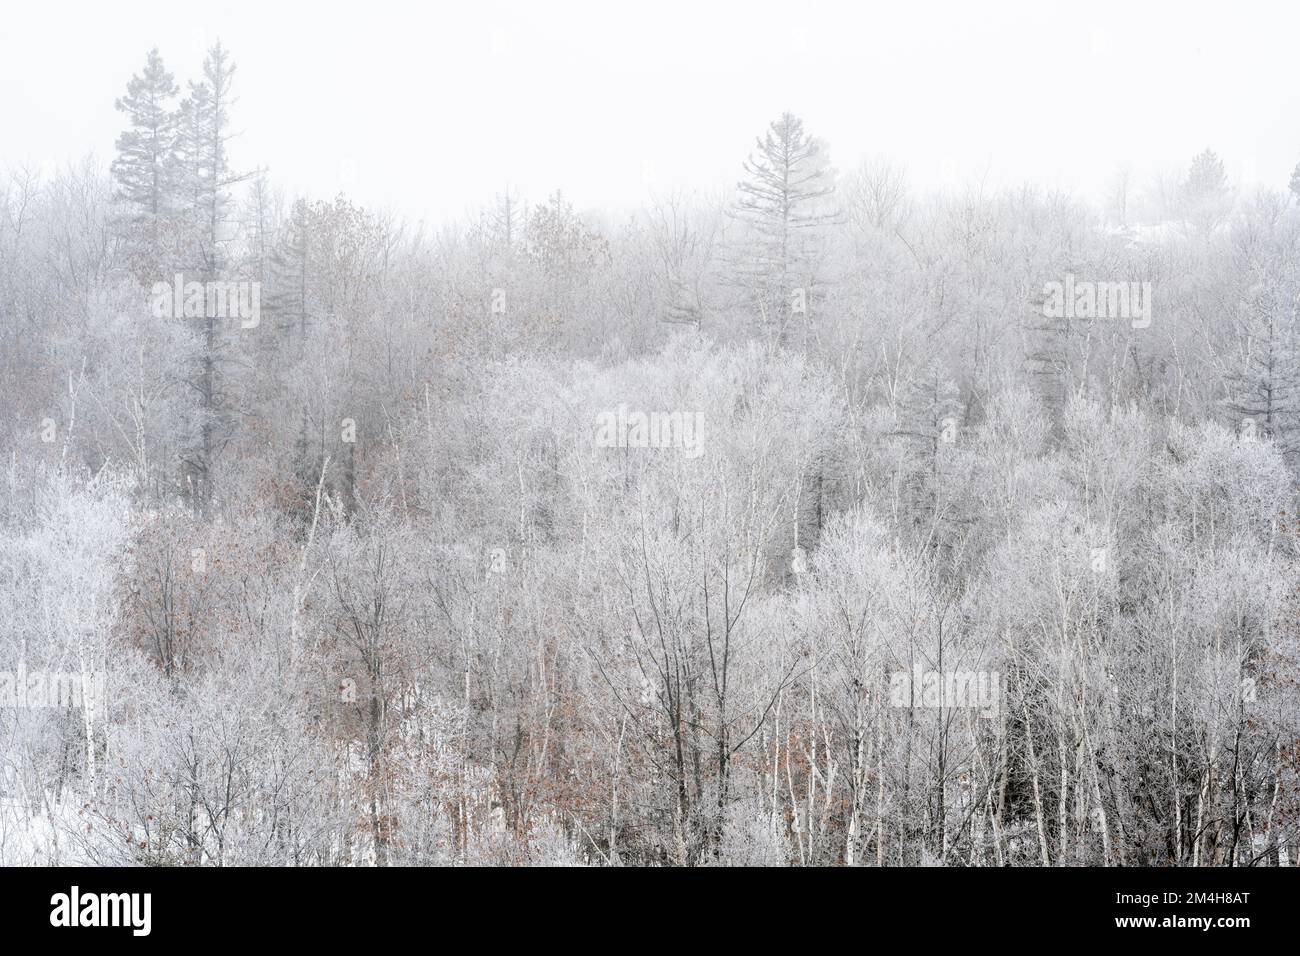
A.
pixel 290 273
pixel 205 131
pixel 1205 193
pixel 1206 179
pixel 207 178
pixel 784 203
pixel 145 170
pixel 506 226
pixel 1262 400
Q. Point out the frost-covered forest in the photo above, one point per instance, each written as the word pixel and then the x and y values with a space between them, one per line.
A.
pixel 825 521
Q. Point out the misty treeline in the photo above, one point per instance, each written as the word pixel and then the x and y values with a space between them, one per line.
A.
pixel 364 589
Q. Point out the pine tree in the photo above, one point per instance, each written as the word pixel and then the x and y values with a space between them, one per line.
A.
pixel 259 216
pixel 145 171
pixel 784 202
pixel 205 131
pixel 1206 179
pixel 207 178
pixel 291 267
pixel 1262 398
pixel 1205 193
pixel 506 226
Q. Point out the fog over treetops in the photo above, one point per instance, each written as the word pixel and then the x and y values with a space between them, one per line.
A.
pixel 818 517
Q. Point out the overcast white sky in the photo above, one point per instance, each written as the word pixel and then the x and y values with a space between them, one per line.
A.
pixel 431 108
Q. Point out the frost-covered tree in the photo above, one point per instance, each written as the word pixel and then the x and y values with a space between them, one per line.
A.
pixel 146 170
pixel 1205 193
pixel 784 203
